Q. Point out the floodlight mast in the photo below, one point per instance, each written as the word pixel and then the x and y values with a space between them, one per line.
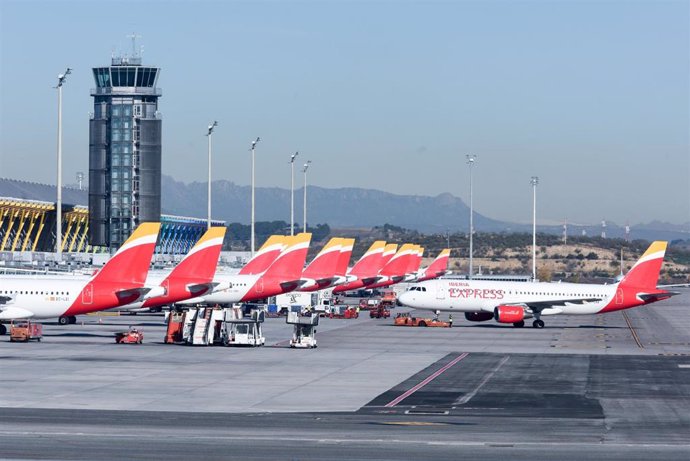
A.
pixel 292 192
pixel 210 132
pixel 534 181
pixel 253 148
pixel 471 158
pixel 62 78
pixel 306 167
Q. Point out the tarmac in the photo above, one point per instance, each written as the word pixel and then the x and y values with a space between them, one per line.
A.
pixel 614 386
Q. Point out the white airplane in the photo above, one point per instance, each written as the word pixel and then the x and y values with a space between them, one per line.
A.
pixel 282 276
pixel 120 281
pixel 513 302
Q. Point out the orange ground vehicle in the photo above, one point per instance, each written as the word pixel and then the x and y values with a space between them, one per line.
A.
pixel 404 320
pixel 25 330
pixel 133 336
pixel 381 311
pixel 389 296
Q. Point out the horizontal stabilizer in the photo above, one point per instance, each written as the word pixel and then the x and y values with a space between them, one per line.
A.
pixel 200 289
pixel 291 285
pixel 132 295
pixel 653 297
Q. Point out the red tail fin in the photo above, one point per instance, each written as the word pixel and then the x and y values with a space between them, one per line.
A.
pixel 290 263
pixel 324 264
pixel 438 267
pixel 645 273
pixel 370 263
pixel 201 261
pixel 130 265
pixel 266 255
pixel 398 264
pixel 346 246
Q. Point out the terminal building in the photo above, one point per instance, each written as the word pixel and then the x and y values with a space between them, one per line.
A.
pixel 124 150
pixel 28 219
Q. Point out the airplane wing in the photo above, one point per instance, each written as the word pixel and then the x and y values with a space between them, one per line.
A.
pixel 538 306
pixel 4 299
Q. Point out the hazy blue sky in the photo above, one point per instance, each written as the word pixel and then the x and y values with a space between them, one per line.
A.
pixel 593 97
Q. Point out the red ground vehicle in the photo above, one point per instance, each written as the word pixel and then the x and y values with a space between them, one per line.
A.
pixel 380 312
pixel 25 330
pixel 404 320
pixel 132 336
pixel 343 312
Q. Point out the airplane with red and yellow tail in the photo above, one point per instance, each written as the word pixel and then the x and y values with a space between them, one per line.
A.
pixel 514 302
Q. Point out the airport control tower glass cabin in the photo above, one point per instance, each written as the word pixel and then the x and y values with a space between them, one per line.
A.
pixel 124 151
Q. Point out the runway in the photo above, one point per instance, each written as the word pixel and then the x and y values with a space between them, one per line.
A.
pixel 580 388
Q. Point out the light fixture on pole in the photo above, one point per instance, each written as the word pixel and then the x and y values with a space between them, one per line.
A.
pixel 306 167
pixel 292 192
pixel 210 132
pixel 534 181
pixel 254 143
pixel 58 225
pixel 470 161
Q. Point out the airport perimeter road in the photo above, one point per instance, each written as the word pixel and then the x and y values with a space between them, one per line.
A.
pixel 615 386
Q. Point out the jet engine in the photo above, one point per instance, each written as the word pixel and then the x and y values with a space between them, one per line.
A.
pixel 509 314
pixel 478 316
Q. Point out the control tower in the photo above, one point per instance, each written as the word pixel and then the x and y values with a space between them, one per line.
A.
pixel 124 150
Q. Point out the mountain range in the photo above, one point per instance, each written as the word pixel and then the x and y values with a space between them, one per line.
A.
pixel 358 207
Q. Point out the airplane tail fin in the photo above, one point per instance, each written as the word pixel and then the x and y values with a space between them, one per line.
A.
pixel 416 261
pixel 645 273
pixel 440 264
pixel 131 262
pixel 388 254
pixel 370 262
pixel 290 264
pixel 324 264
pixel 266 255
pixel 346 246
pixel 400 261
pixel 201 261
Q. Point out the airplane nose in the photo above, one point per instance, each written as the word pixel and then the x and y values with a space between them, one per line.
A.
pixel 405 298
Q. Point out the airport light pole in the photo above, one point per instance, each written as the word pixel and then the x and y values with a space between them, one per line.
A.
pixel 254 143
pixel 470 161
pixel 534 181
pixel 58 226
pixel 210 132
pixel 292 192
pixel 306 167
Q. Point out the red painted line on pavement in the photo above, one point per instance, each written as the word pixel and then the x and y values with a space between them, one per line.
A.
pixel 414 389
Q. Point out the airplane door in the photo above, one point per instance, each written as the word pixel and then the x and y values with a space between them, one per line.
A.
pixel 260 286
pixel 441 292
pixel 619 296
pixel 87 294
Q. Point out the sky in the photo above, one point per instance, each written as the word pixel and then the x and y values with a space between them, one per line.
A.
pixel 592 97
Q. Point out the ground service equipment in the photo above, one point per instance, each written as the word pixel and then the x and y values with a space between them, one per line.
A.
pixel 304 333
pixel 404 320
pixel 240 331
pixel 131 336
pixel 25 330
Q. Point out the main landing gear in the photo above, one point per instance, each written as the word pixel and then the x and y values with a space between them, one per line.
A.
pixel 67 320
pixel 538 324
pixel 519 324
pixel 3 329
